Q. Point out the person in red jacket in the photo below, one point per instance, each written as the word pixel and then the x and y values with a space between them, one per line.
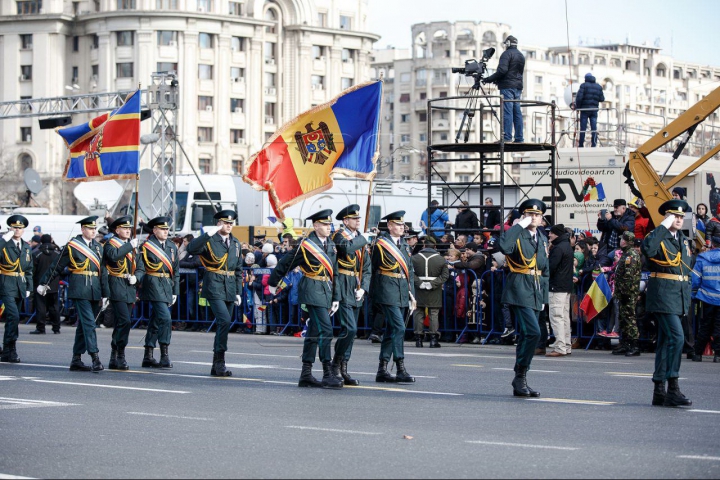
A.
pixel 642 218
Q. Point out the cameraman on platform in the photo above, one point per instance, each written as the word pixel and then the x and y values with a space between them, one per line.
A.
pixel 509 79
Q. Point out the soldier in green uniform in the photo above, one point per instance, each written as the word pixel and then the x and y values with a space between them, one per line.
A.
pixel 157 274
pixel 87 285
pixel 669 253
pixel 220 254
pixel 627 289
pixel 16 282
pixel 317 258
pixel 119 258
pixel 393 290
pixel 526 286
pixel 351 284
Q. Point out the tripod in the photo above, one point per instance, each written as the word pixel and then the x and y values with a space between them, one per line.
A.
pixel 469 112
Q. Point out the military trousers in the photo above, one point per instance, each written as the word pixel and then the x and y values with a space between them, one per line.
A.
pixel 628 319
pixel 348 315
pixel 392 343
pixel 668 352
pixel 528 334
pixel 159 327
pixel 223 318
pixel 419 319
pixel 85 338
pixel 709 327
pixel 47 306
pixel 318 336
pixel 121 330
pixel 12 317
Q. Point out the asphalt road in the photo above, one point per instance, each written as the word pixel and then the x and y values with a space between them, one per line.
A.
pixel 459 420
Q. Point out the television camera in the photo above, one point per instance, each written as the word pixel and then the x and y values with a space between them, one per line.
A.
pixel 477 70
pixel 473 67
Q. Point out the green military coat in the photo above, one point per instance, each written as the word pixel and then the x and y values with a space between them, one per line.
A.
pixel 350 250
pixel 223 266
pixel 19 265
pixel 525 290
pixel 666 295
pixel 154 288
pixel 119 257
pixel 437 273
pixel 627 273
pixel 394 289
pixel 319 292
pixel 78 259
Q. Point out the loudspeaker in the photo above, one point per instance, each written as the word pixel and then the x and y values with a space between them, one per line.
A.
pixel 47 123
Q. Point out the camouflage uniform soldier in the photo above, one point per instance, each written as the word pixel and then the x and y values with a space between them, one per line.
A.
pixel 627 290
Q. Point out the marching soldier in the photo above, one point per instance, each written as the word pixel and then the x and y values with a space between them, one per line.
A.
pixel 120 261
pixel 220 254
pixel 317 258
pixel 669 295
pixel 88 284
pixel 157 273
pixel 393 288
pixel 527 285
pixel 627 289
pixel 351 284
pixel 16 282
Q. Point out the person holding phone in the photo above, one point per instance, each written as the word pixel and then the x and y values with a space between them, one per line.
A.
pixel 612 225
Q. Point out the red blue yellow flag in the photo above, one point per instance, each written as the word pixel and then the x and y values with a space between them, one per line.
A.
pixel 106 147
pixel 596 193
pixel 302 157
pixel 597 298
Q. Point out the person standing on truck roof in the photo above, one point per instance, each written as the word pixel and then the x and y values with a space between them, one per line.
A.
pixel 587 101
pixel 509 79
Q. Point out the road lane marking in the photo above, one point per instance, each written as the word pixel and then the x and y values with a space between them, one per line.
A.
pixel 250 354
pixel 703 411
pixel 634 375
pixel 533 370
pixel 169 416
pixel 503 357
pixel 101 385
pixel 571 401
pixel 354 432
pixel 66 367
pixel 18 403
pixel 248 366
pixel 4 476
pixel 521 445
pixel 699 457
pixel 466 365
pixel 29 342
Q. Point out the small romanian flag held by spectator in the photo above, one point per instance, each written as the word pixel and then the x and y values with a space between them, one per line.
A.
pixel 595 194
pixel 597 298
pixel 262 308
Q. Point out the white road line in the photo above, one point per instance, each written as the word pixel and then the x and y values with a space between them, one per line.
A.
pixel 250 354
pixel 169 416
pixel 699 457
pixel 521 445
pixel 100 385
pixel 501 357
pixel 66 367
pixel 4 476
pixel 571 401
pixel 20 403
pixel 354 432
pixel 238 365
pixel 703 411
pixel 533 370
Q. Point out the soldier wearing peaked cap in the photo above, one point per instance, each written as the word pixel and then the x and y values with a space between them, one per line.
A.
pixel 316 256
pixel 88 284
pixel 393 289
pixel 219 252
pixel 527 285
pixel 120 260
pixel 351 285
pixel 157 274
pixel 16 277
pixel 669 253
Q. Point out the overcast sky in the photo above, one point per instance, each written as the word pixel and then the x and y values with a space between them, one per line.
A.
pixel 687 29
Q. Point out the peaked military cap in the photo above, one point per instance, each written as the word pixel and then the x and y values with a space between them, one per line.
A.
pixel 88 222
pixel 411 233
pixel 228 216
pixel 17 221
pixel 122 222
pixel 676 207
pixel 160 222
pixel 323 216
pixel 395 217
pixel 351 211
pixel 532 205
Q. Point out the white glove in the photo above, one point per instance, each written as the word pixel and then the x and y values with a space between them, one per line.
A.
pixel 174 300
pixel 27 294
pixel 413 303
pixel 334 308
pixel 359 294
pixel 42 290
pixel 210 230
pixel 105 303
pixel 668 221
pixel 8 235
pixel 525 221
pixel 426 286
pixel 238 300
pixel 368 236
pixel 134 243
pixel 272 289
pixel 132 279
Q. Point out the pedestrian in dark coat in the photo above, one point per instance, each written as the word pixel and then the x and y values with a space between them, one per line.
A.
pixel 612 225
pixel 431 273
pixel 466 221
pixel 43 260
pixel 587 101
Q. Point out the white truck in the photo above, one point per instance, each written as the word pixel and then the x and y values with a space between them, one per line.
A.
pixel 60 227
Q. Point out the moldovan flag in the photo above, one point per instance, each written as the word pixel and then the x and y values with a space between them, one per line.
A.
pixel 106 147
pixel 338 137
pixel 597 193
pixel 700 237
pixel 597 298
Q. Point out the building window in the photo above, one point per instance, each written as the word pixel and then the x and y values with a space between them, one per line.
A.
pixel 166 4
pixel 205 40
pixel 269 113
pixel 126 4
pixel 25 72
pixel 236 9
pixel 167 37
pixel 404 138
pixel 167 67
pixel 345 22
pixel 237 105
pixel 204 6
pixel 237 167
pixel 204 165
pixel 205 72
pixel 205 103
pixel 405 159
pixel 75 74
pixel 26 134
pixel 95 71
pixel 237 74
pixel 269 79
pixel 124 70
pixel 25 8
pixel 237 44
pixel 75 44
pixel 94 42
pixel 322 19
pixel 404 118
pixel 404 97
pixel 125 39
pixel 423 138
pixel 318 52
pixel 463 178
pixel 269 53
pixel 26 42
pixel 347 55
pixel 346 83
pixel 271 16
pixel 422 116
pixel 237 135
pixel 25 162
pixel 318 82
pixel 538 80
pixel 205 134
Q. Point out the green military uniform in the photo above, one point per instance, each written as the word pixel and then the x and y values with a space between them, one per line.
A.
pixel 431 273
pixel 222 282
pixel 527 287
pixel 16 281
pixel 157 274
pixel 627 290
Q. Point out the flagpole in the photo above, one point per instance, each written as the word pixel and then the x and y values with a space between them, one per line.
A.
pixel 137 194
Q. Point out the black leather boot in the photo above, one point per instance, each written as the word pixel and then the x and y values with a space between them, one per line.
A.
pixel 112 364
pixel 329 380
pixel 697 357
pixel 716 358
pixel 164 357
pixel 419 341
pixel 383 376
pixel 435 341
pixel 121 362
pixel 9 354
pixel 97 366
pixel 659 394
pixel 346 377
pixel 674 397
pixel 621 349
pixel 148 360
pixel 519 384
pixel 77 365
pixel 218 368
pixel 633 349
pixel 335 366
pixel 306 377
pixel 402 375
